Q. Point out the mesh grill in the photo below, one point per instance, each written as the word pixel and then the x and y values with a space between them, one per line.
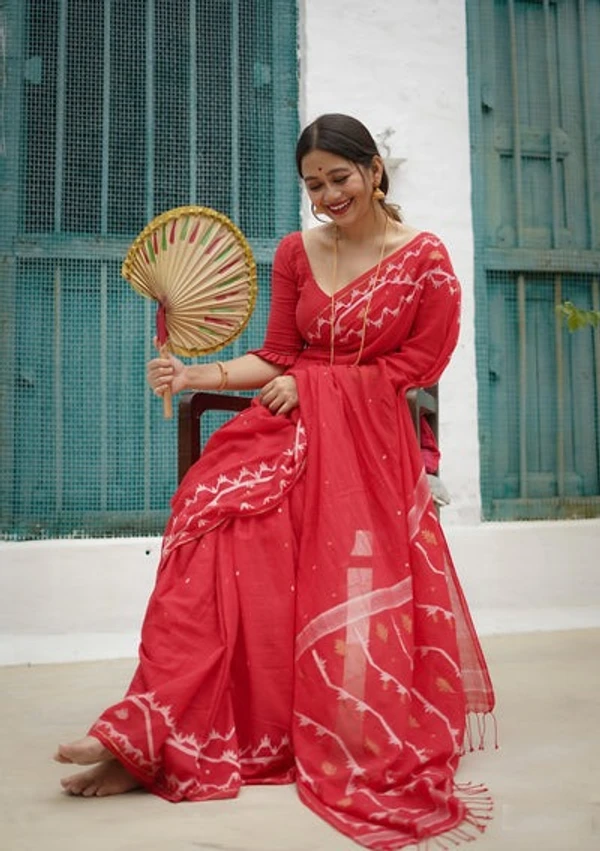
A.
pixel 535 128
pixel 124 110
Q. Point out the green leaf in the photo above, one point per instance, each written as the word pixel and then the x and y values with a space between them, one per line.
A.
pixel 576 317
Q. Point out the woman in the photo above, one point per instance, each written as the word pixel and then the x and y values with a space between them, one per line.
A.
pixel 307 623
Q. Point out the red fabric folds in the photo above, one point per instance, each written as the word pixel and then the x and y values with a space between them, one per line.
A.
pixel 429 448
pixel 307 622
pixel 378 734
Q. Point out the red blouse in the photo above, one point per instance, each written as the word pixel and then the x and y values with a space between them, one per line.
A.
pixel 412 307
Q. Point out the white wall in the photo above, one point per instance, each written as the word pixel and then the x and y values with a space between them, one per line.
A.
pixel 77 600
pixel 402 65
pixel 399 65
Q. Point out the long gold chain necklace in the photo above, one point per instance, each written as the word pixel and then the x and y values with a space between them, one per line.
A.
pixel 367 306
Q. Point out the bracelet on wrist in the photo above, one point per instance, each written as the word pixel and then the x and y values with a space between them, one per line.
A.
pixel 224 376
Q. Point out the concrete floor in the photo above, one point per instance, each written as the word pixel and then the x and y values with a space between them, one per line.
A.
pixel 545 778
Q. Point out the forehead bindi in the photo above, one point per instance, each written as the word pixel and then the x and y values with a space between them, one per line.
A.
pixel 319 171
pixel 318 163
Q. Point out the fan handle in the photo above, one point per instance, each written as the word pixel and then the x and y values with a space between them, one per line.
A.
pixel 162 335
pixel 167 395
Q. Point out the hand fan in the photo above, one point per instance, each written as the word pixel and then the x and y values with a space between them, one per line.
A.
pixel 199 267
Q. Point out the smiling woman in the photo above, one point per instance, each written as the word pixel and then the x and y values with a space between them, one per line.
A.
pixel 354 149
pixel 336 187
pixel 346 180
pixel 307 622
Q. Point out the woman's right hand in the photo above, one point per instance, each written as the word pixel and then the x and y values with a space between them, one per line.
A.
pixel 166 372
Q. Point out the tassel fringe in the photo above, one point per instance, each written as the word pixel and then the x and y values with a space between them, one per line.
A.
pixel 478 802
pixel 475 739
pixel 479 812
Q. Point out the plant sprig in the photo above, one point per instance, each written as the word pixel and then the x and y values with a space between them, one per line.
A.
pixel 577 317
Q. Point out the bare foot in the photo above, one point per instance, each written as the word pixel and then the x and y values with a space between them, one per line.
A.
pixel 108 778
pixel 84 751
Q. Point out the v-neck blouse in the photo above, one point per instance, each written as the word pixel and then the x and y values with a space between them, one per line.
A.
pixel 356 281
pixel 299 326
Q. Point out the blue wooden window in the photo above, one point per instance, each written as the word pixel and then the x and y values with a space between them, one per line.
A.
pixel 534 70
pixel 118 111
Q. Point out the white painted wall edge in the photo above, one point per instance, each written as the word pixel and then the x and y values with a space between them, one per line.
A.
pixel 99 646
pixel 66 600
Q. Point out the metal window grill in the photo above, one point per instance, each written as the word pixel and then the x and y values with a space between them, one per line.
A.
pixel 535 127
pixel 114 111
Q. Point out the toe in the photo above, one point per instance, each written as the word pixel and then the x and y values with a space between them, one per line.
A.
pixel 104 791
pixel 86 751
pixel 75 784
pixel 90 791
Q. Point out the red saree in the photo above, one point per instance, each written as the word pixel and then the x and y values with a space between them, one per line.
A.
pixel 307 623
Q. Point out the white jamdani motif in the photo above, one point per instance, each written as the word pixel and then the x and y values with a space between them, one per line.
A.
pixel 361 706
pixel 124 745
pixel 349 305
pixel 188 744
pixel 430 709
pixel 146 759
pixel 443 278
pixel 424 650
pixel 432 611
pixel 269 481
pixel 423 551
pixel 215 748
pixel 321 731
pixel 304 776
pixel 266 751
pixel 403 647
pixel 384 676
pixel 192 789
pixel 340 616
pixel 422 502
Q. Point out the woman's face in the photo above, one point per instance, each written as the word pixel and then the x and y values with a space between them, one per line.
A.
pixel 341 189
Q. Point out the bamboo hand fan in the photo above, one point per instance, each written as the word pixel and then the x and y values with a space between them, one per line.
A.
pixel 199 267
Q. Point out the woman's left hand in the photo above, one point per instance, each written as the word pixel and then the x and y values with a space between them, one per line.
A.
pixel 280 395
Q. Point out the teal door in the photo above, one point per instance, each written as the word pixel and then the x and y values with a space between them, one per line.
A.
pixel 534 72
pixel 115 111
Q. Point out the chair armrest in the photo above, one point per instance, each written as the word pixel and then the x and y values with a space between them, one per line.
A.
pixel 424 401
pixel 191 408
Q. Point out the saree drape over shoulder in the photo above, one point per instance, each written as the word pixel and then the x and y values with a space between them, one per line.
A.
pixel 307 622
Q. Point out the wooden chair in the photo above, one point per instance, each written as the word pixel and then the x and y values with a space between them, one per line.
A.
pixel 193 405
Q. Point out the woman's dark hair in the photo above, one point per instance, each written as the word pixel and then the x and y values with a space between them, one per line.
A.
pixel 348 138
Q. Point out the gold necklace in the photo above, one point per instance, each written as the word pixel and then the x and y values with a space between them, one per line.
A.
pixel 369 297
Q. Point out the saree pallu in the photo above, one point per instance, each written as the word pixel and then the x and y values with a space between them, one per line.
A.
pixel 393 658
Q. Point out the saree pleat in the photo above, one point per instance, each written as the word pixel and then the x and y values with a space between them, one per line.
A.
pixel 210 704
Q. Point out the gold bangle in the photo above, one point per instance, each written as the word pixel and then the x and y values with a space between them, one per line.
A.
pixel 224 376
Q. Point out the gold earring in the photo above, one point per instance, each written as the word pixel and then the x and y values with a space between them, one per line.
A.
pixel 315 210
pixel 378 194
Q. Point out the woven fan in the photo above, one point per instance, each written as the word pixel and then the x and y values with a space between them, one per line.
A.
pixel 199 267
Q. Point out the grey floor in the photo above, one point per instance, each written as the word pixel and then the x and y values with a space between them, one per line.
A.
pixel 545 778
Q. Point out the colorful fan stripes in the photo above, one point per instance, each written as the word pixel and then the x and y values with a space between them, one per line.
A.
pixel 200 269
